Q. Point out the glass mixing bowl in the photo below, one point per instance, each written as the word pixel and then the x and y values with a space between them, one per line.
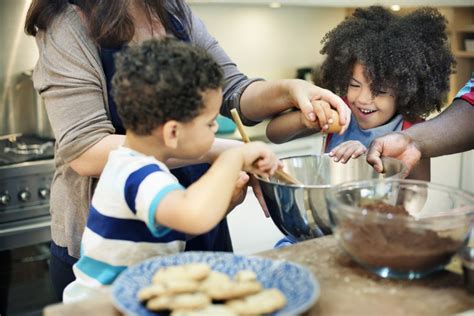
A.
pixel 400 228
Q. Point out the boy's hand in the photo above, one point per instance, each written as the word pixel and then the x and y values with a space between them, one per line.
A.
pixel 347 150
pixel 240 190
pixel 259 159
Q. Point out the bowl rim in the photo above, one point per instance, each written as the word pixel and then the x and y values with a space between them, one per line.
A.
pixel 328 186
pixel 359 211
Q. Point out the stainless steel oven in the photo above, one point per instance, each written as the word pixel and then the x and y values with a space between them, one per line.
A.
pixel 26 171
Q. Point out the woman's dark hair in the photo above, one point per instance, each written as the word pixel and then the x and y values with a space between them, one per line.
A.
pixel 409 54
pixel 109 22
pixel 162 80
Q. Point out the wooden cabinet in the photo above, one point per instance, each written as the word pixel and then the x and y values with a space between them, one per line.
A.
pixel 461 30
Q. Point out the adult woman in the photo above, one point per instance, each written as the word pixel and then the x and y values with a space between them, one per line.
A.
pixel 77 40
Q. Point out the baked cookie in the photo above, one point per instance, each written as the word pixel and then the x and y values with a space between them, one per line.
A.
pixel 192 271
pixel 168 287
pixel 187 301
pixel 211 310
pixel 265 302
pixel 245 276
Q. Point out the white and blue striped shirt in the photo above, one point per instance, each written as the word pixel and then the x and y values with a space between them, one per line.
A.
pixel 121 228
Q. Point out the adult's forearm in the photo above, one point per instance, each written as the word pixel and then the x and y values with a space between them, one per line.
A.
pixel 264 99
pixel 92 161
pixel 450 132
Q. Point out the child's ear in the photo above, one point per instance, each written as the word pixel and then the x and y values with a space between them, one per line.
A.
pixel 171 133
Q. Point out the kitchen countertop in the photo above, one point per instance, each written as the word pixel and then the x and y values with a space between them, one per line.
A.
pixel 346 289
pixel 257 132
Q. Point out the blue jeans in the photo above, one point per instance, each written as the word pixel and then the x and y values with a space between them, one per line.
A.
pixel 285 242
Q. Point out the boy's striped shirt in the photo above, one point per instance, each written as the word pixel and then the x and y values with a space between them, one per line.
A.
pixel 121 228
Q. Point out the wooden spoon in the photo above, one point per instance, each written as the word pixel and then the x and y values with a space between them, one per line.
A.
pixel 279 173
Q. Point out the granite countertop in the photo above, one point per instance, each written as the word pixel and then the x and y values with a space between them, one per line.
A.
pixel 346 289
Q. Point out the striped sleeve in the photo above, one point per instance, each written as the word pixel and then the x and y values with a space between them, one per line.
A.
pixel 467 92
pixel 144 190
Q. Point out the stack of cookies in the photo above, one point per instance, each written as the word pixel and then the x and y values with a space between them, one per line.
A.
pixel 194 289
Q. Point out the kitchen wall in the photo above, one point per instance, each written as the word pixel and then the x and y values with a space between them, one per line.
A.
pixel 270 43
pixel 18 53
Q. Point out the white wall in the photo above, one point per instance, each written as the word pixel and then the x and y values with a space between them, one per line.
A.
pixel 269 43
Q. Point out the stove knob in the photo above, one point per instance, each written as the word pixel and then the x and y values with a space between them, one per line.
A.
pixel 24 195
pixel 43 193
pixel 5 198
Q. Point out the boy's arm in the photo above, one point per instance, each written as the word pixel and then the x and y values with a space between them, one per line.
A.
pixel 199 208
pixel 219 146
pixel 288 126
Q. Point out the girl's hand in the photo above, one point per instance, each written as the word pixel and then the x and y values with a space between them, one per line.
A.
pixel 259 159
pixel 347 150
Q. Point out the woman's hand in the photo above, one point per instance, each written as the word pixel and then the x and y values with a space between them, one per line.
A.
pixel 265 99
pixel 347 150
pixel 315 103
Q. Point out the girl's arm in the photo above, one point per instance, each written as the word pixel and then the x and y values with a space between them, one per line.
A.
pixel 288 126
pixel 199 208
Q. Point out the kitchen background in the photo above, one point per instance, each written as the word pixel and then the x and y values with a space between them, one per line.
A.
pixel 265 38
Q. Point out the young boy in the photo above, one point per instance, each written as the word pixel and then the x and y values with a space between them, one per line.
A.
pixel 168 95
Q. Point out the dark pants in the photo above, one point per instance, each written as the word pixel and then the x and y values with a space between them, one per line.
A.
pixel 60 267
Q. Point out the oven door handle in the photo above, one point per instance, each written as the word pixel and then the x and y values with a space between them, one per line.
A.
pixel 24 228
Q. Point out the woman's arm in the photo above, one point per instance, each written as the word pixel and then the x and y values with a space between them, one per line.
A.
pixel 256 99
pixel 69 78
pixel 264 99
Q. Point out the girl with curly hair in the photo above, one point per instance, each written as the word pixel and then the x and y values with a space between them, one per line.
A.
pixel 393 71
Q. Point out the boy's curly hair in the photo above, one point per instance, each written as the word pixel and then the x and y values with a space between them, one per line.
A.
pixel 162 80
pixel 409 54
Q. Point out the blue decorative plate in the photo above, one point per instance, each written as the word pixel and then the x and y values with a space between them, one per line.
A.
pixel 296 282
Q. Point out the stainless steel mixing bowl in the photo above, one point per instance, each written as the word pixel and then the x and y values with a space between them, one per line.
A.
pixel 300 210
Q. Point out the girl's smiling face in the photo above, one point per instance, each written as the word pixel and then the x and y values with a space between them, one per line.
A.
pixel 368 110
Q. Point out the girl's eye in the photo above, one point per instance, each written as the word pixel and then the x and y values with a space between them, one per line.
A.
pixel 354 85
